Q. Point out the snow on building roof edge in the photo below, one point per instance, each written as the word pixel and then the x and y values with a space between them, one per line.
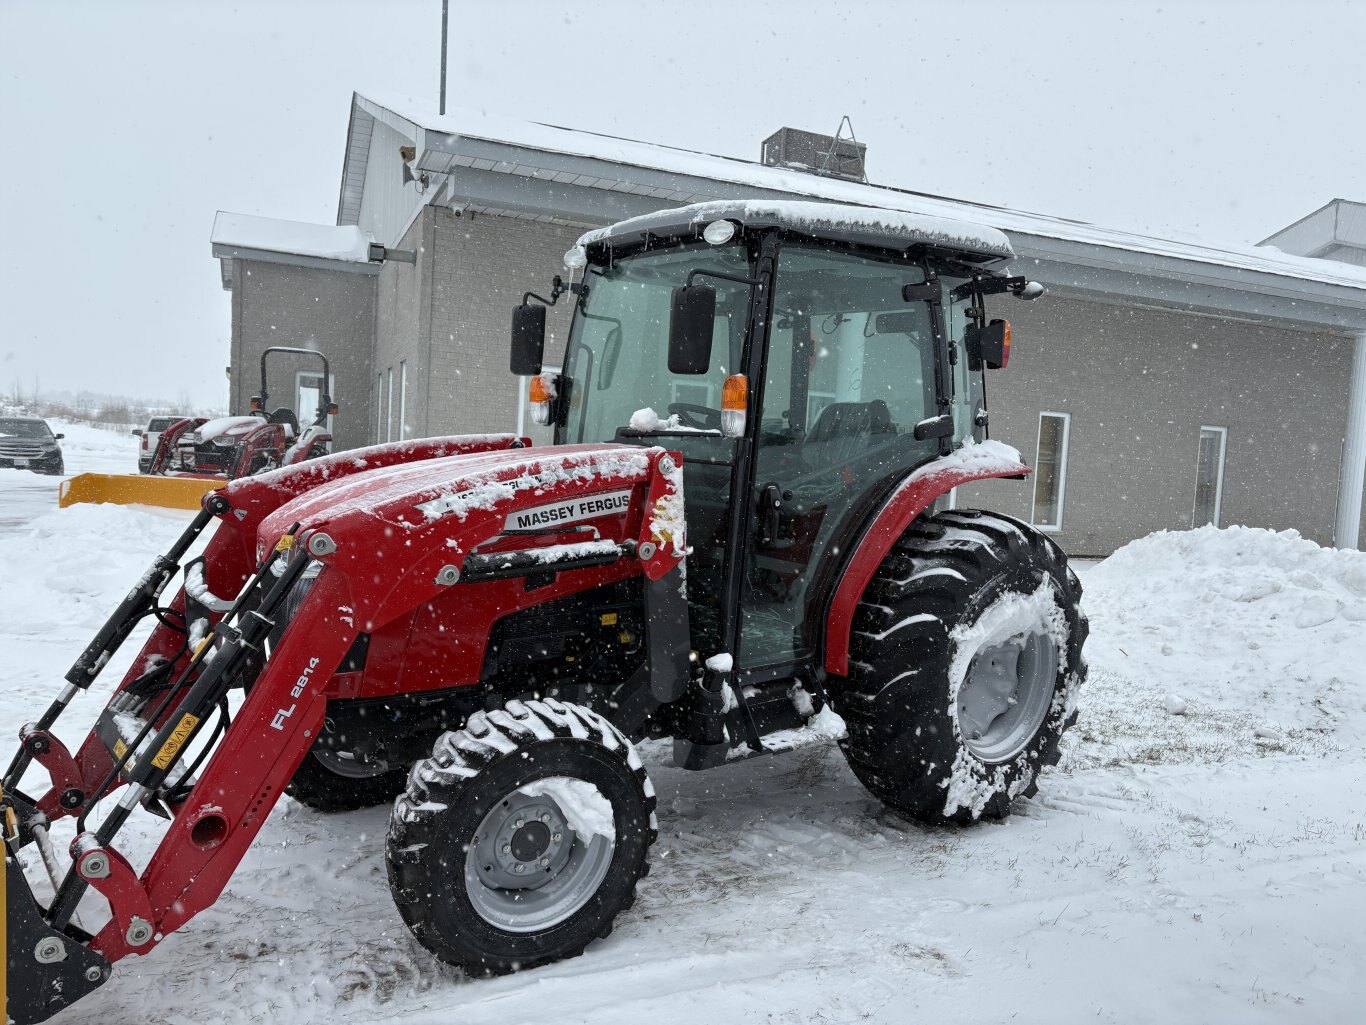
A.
pixel 347 243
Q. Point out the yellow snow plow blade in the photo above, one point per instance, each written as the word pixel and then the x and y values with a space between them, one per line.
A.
pixel 126 489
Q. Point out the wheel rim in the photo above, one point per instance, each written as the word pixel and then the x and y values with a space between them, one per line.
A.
pixel 1006 695
pixel 346 764
pixel 527 870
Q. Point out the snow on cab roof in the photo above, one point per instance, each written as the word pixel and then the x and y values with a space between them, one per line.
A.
pixel 857 222
pixel 551 139
pixel 324 241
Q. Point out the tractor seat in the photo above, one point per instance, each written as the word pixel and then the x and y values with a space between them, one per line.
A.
pixel 843 429
pixel 284 415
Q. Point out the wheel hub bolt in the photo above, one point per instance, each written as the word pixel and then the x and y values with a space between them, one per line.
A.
pixel 556 837
pixel 519 868
pixel 545 816
pixel 545 863
pixel 507 848
pixel 519 823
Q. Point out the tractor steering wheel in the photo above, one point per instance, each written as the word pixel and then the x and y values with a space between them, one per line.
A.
pixel 696 416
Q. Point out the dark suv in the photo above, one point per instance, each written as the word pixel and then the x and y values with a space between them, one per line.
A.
pixel 27 443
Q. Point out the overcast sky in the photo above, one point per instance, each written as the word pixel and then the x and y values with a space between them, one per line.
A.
pixel 127 125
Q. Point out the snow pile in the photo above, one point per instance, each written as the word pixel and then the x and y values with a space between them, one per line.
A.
pixel 647 420
pixel 1199 639
pixel 68 570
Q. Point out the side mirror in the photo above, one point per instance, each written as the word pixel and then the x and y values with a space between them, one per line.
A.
pixel 59 437
pixel 691 319
pixel 528 339
pixel 935 427
pixel 137 432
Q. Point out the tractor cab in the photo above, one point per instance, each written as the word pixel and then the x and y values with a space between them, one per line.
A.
pixel 804 358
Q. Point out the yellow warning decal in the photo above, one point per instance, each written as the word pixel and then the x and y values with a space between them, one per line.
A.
pixel 175 741
pixel 609 619
pixel 120 749
pixel 285 543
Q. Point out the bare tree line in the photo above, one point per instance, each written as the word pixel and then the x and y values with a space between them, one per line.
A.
pixel 98 409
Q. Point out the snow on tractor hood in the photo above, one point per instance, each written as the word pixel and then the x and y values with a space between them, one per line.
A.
pixel 233 425
pixel 410 496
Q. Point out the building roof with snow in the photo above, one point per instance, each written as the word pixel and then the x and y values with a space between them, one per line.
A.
pixel 489 164
pixel 273 240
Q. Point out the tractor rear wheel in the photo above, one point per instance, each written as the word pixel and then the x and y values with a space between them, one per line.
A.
pixel 965 667
pixel 331 780
pixel 521 838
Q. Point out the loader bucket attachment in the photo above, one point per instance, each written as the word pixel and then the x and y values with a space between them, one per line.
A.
pixel 169 492
pixel 45 969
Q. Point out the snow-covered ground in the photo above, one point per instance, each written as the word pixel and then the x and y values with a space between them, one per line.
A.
pixel 1199 856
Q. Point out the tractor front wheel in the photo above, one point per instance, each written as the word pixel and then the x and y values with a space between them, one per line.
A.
pixel 965 666
pixel 521 838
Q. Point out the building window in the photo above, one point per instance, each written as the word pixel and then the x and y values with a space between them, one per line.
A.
pixel 402 399
pixel 1050 470
pixel 1209 476
pixel 389 405
pixel 379 407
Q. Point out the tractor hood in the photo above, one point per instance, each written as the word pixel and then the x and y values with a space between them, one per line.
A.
pixel 412 497
pixel 401 534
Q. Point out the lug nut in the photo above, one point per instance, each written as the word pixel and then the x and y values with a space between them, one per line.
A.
pixel 92 974
pixel 555 837
pixel 545 816
pixel 519 868
pixel 519 823
pixel 545 863
pixel 507 848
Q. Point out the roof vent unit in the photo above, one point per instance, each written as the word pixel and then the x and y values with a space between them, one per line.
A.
pixel 833 156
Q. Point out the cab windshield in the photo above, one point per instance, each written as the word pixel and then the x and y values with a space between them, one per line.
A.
pixel 618 348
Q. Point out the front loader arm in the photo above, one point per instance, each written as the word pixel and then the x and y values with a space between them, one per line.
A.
pixel 227 564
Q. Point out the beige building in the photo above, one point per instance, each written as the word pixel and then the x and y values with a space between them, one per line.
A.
pixel 1159 384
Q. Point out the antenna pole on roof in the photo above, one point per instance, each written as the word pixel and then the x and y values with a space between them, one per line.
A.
pixel 445 18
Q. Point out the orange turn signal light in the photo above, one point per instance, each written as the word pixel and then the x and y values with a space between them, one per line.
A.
pixel 734 401
pixel 735 392
pixel 538 391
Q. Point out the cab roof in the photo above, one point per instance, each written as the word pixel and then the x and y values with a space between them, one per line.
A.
pixel 891 229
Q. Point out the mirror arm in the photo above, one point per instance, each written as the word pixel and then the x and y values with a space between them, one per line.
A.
pixel 719 274
pixel 557 289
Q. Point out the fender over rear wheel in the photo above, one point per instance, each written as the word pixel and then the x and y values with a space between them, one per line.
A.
pixel 521 838
pixel 965 666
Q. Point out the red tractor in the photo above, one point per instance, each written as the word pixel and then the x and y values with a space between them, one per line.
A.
pixel 760 416
pixel 239 446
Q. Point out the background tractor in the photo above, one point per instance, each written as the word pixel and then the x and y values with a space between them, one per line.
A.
pixel 192 455
pixel 759 416
pixel 238 446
